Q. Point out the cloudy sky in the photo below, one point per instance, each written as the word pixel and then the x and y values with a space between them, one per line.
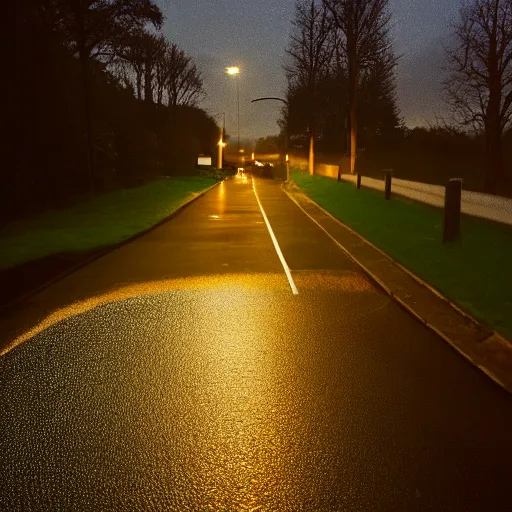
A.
pixel 253 34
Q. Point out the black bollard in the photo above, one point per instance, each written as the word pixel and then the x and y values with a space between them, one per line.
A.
pixel 388 173
pixel 452 205
pixel 358 180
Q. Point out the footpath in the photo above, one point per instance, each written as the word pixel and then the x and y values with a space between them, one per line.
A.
pixel 484 348
pixel 484 206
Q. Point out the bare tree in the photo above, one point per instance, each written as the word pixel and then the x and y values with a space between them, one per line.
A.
pixel 364 41
pixel 479 86
pixel 154 52
pixel 145 53
pixel 133 57
pixel 96 28
pixel 311 54
pixel 160 67
pixel 183 81
pixel 92 29
pixel 161 72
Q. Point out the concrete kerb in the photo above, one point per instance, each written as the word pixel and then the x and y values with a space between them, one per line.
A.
pixel 399 265
pixel 291 188
pixel 104 252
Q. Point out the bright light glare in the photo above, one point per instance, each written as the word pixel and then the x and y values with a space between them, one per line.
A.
pixel 233 70
pixel 222 144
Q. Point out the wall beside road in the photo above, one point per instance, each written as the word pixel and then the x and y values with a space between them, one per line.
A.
pixel 485 206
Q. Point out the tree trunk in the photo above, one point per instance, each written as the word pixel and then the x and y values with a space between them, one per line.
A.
pixel 139 84
pixel 88 123
pixel 353 121
pixel 312 136
pixel 148 86
pixel 495 176
pixel 345 145
pixel 353 78
pixel 160 94
pixel 84 67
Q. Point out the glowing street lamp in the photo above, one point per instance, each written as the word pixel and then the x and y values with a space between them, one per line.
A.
pixel 235 71
pixel 221 142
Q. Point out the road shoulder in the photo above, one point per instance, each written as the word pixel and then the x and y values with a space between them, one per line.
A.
pixel 486 349
pixel 25 280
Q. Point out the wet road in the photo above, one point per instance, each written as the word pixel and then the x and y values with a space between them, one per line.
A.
pixel 187 376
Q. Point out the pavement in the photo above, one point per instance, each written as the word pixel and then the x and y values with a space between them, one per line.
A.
pixel 181 372
pixel 483 347
pixel 475 204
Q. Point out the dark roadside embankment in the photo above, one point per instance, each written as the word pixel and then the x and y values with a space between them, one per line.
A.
pixel 38 250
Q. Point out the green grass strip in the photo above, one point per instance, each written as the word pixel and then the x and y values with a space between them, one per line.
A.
pixel 475 272
pixel 100 222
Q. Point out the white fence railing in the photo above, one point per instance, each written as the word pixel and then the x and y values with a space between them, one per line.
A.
pixel 485 206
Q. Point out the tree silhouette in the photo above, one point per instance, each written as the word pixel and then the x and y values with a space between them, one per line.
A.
pixel 47 145
pixel 364 41
pixel 182 79
pixel 310 51
pixel 96 29
pixel 479 86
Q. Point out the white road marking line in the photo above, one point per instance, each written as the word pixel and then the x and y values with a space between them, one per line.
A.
pixel 276 244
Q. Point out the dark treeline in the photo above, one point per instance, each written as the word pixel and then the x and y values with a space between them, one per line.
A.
pixel 341 74
pixel 75 64
pixel 341 77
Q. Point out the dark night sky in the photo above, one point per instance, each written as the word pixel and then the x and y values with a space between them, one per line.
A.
pixel 253 34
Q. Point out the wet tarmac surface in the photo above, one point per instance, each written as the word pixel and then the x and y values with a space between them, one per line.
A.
pixel 226 392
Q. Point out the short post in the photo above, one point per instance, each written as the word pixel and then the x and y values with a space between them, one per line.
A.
pixel 388 173
pixel 452 207
pixel 358 180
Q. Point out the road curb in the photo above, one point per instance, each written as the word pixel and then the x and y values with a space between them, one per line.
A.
pixel 418 279
pixel 104 252
pixel 497 338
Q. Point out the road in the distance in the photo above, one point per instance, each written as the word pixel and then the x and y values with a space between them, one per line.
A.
pixel 209 386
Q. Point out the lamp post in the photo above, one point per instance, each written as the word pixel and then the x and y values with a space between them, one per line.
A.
pixel 221 143
pixel 286 134
pixel 235 71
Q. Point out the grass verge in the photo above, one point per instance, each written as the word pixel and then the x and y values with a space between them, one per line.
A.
pixel 100 222
pixel 475 272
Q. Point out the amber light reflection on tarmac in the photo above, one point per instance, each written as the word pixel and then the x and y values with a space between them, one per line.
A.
pixel 180 372
pixel 217 282
pixel 178 396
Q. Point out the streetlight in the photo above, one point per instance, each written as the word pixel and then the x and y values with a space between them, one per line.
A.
pixel 221 143
pixel 286 134
pixel 235 71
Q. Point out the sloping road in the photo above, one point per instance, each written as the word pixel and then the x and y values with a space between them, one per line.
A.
pixel 181 372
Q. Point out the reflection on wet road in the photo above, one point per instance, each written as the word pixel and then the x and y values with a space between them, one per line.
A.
pixel 242 396
pixel 228 392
